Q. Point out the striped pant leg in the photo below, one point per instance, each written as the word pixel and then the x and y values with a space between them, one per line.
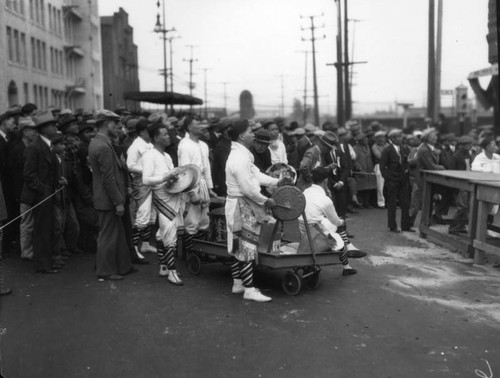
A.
pixel 162 256
pixel 343 257
pixel 246 272
pixel 235 269
pixel 342 231
pixel 170 257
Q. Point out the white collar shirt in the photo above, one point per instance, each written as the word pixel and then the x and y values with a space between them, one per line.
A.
pixel 135 153
pixel 155 166
pixel 191 152
pixel 320 206
pixel 46 140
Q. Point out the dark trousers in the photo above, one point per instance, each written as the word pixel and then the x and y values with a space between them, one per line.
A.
pixel 397 191
pixel 43 235
pixel 340 200
pixel 113 256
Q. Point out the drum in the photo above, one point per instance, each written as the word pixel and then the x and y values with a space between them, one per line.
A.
pixel 217 231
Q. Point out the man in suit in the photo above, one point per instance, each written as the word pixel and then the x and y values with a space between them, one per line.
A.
pixel 394 169
pixel 40 182
pixel 109 185
pixel 427 159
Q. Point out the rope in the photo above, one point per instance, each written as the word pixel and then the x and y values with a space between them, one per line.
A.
pixel 33 207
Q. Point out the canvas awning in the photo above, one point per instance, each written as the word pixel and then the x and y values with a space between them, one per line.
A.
pixel 166 98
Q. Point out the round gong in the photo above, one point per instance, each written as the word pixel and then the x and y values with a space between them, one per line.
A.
pixel 290 203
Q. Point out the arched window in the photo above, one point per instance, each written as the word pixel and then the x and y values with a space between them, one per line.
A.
pixel 12 93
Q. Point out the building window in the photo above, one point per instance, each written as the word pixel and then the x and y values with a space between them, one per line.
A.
pixel 24 53
pixel 50 17
pixel 33 53
pixel 44 56
pixel 10 46
pixel 12 94
pixel 42 12
pixel 21 7
pixel 59 27
pixel 37 11
pixel 32 10
pixel 35 95
pixel 16 46
pixel 26 93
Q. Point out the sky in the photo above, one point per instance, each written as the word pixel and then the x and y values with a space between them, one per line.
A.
pixel 257 45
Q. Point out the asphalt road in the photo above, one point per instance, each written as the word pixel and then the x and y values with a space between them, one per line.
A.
pixel 413 310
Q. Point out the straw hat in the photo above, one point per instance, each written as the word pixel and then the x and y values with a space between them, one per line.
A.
pixel 182 179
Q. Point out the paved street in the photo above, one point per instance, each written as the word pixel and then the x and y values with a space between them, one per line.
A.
pixel 414 310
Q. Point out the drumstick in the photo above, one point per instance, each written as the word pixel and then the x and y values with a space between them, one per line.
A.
pixel 288 207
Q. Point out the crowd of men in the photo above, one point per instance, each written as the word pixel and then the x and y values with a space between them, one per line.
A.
pixel 74 182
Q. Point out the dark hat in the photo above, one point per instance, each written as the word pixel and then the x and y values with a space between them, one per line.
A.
pixel 104 114
pixel 122 110
pixel 65 121
pixel 330 139
pixel 158 117
pixel 380 134
pixel 26 122
pixel 225 123
pixel 262 136
pixel 360 136
pixel 394 132
pixel 319 174
pixel 450 138
pixel 44 118
pixel 465 139
pixel 82 126
pixel 310 128
pixel 13 111
pixel 131 123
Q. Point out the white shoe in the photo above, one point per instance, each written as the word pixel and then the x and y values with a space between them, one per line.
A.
pixel 351 247
pixel 163 271
pixel 146 247
pixel 238 287
pixel 174 278
pixel 254 294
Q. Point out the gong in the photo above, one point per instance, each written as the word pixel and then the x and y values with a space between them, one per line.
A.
pixel 290 203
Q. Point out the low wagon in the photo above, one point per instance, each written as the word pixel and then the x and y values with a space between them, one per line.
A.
pixel 302 265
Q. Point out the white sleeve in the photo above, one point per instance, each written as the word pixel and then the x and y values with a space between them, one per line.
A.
pixel 207 173
pixel 243 176
pixel 148 176
pixel 331 213
pixel 352 152
pixel 133 156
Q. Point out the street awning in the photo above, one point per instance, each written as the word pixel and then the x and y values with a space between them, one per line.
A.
pixel 165 98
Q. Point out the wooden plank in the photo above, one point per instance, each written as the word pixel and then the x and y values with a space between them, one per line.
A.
pixel 488 193
pixel 481 231
pixel 463 244
pixel 485 247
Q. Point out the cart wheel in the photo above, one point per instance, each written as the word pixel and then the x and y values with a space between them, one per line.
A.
pixel 291 283
pixel 194 265
pixel 312 282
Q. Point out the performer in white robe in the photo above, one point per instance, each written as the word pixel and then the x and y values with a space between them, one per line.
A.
pixel 245 209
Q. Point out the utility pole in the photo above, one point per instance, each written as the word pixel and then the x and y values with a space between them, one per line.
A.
pixel 431 70
pixel 206 98
pixel 191 84
pixel 282 106
pixel 439 38
pixel 225 95
pixel 161 28
pixel 172 69
pixel 348 104
pixel 315 81
pixel 339 66
pixel 305 90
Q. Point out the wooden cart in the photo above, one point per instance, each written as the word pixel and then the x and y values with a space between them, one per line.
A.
pixel 302 269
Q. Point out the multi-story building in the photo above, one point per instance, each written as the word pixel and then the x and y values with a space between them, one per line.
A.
pixel 51 54
pixel 119 58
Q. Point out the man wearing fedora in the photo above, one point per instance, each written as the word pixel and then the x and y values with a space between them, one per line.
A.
pixel 394 168
pixel 109 185
pixel 69 128
pixel 8 138
pixel 40 182
pixel 28 134
pixel 260 150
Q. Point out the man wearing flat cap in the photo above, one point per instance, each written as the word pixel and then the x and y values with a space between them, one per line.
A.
pixel 109 184
pixel 394 168
pixel 40 182
pixel 461 161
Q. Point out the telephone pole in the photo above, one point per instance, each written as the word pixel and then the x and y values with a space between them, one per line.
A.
pixel 205 98
pixel 347 87
pixel 191 84
pixel 305 90
pixel 315 82
pixel 439 40
pixel 282 106
pixel 171 73
pixel 431 64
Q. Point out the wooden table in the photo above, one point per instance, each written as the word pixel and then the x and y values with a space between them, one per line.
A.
pixel 461 180
pixel 487 193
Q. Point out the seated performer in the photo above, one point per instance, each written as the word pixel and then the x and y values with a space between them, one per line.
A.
pixel 322 215
pixel 245 209
pixel 157 165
